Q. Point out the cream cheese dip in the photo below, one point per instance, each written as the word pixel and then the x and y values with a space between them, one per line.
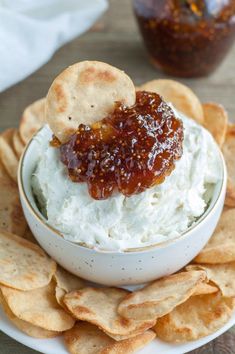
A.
pixel 160 213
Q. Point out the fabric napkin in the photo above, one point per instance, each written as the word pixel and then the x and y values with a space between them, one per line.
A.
pixel 32 30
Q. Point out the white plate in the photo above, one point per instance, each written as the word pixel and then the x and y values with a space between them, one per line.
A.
pixel 56 345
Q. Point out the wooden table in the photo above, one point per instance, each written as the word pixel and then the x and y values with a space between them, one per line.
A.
pixel 115 40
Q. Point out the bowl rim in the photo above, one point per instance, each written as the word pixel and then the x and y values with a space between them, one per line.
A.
pixel 41 219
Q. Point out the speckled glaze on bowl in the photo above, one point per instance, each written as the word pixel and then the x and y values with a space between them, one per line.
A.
pixel 135 266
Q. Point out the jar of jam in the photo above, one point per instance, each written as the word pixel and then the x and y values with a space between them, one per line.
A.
pixel 186 38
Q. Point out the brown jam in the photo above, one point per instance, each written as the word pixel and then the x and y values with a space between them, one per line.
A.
pixel 130 150
pixel 186 38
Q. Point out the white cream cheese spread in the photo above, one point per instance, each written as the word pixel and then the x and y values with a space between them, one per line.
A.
pixel 160 213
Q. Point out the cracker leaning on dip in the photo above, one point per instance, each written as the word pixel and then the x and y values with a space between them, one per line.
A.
pixel 119 171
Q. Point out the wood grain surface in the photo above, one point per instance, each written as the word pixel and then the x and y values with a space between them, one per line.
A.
pixel 115 39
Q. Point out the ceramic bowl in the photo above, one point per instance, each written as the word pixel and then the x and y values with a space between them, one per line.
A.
pixel 116 268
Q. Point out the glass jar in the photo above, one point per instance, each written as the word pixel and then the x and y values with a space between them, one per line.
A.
pixel 186 38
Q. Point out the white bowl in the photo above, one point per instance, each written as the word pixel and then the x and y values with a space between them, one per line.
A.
pixel 117 268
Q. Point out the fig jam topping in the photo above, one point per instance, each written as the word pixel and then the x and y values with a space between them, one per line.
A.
pixel 132 149
pixel 187 38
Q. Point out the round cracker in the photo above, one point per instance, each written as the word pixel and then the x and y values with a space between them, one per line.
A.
pixel 99 307
pixel 26 327
pixel 161 296
pixel 216 121
pixel 7 154
pixel 196 318
pixel 229 152
pixel 33 118
pixel 38 307
pixel 181 96
pixel 23 265
pixel 221 246
pixel 11 214
pixel 85 93
pixel 86 338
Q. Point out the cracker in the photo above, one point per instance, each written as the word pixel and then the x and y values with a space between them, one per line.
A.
pixel 86 338
pixel 198 317
pixel 229 153
pixel 223 275
pixel 181 96
pixel 7 153
pixel 24 265
pixel 216 121
pixel 38 307
pixel 18 144
pixel 221 246
pixel 99 306
pixel 161 296
pixel 33 118
pixel 26 327
pixel 85 92
pixel 65 283
pixel 11 214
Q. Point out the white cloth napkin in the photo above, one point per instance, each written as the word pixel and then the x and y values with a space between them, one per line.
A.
pixel 32 30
